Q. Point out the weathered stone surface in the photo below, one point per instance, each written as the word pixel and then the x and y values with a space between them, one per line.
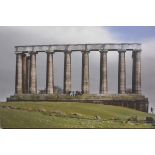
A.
pixel 80 47
pixel 85 72
pixel 33 73
pixel 26 80
pixel 103 73
pixel 24 73
pixel 85 48
pixel 49 74
pixel 121 72
pixel 131 101
pixel 136 72
pixel 18 80
pixel 67 72
pixel 28 74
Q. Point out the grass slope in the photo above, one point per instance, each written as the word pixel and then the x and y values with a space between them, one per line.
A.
pixel 68 115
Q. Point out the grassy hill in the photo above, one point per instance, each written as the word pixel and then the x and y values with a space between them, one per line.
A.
pixel 69 115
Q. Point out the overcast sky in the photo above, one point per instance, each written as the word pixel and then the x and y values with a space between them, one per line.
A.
pixel 12 36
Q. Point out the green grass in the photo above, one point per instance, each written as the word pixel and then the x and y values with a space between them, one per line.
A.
pixel 69 115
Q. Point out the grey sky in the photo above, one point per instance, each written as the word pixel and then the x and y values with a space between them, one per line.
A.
pixel 11 36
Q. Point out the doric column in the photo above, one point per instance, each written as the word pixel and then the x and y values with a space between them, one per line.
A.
pixel 136 72
pixel 121 73
pixel 18 80
pixel 33 73
pixel 85 72
pixel 28 74
pixel 103 72
pixel 67 72
pixel 49 74
pixel 24 73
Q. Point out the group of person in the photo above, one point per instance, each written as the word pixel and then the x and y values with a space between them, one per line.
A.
pixel 152 110
pixel 75 93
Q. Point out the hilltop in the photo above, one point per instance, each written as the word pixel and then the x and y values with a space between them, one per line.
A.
pixel 70 115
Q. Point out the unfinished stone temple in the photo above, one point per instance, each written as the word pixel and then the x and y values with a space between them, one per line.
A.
pixel 26 77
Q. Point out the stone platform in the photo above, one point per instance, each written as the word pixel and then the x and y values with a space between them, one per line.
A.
pixel 134 101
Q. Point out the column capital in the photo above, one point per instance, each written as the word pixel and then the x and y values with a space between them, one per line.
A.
pixel 24 54
pixel 85 51
pixel 122 51
pixel 136 50
pixel 68 51
pixel 103 51
pixel 50 51
pixel 18 53
pixel 32 52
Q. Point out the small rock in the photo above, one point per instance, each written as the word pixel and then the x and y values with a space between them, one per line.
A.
pixel 77 114
pixel 98 117
pixel 42 110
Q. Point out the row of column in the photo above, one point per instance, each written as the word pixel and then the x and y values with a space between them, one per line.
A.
pixel 26 77
pixel 136 72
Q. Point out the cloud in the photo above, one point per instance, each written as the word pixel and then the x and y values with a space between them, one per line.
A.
pixel 148 71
